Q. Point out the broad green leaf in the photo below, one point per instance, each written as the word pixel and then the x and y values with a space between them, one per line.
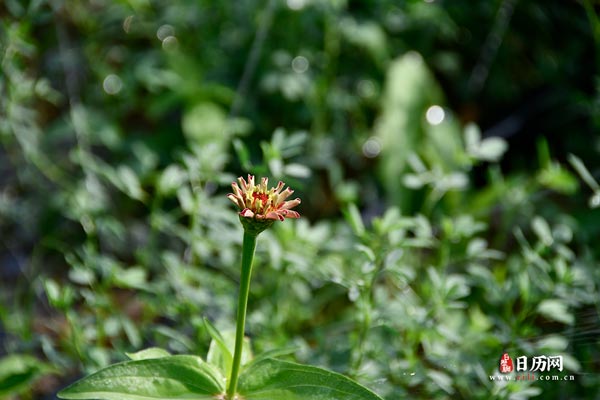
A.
pixel 148 354
pixel 166 378
pixel 272 379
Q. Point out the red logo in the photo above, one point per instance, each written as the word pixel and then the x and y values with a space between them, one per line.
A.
pixel 506 364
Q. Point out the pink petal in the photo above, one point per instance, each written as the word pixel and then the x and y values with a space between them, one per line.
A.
pixel 236 200
pixel 274 215
pixel 292 214
pixel 290 204
pixel 285 194
pixel 279 187
pixel 246 212
pixel 264 184
pixel 237 190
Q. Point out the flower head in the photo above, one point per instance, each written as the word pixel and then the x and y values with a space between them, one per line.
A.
pixel 259 202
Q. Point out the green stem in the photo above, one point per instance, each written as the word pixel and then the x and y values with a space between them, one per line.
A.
pixel 248 246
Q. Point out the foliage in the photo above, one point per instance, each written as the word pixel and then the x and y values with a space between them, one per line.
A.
pixel 428 245
pixel 174 377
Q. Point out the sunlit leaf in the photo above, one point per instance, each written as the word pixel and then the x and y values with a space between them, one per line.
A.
pixel 583 172
pixel 492 149
pixel 354 219
pixel 219 354
pixel 556 310
pixel 277 380
pixel 542 230
pixel 297 170
pixel 171 179
pixel 149 353
pixel 173 377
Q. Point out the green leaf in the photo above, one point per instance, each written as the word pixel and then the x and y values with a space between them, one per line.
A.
pixel 442 380
pixel 216 335
pixel 205 123
pixel 220 356
pixel 489 149
pixel 177 337
pixel 148 354
pixel 583 172
pixel 130 183
pixel 273 353
pixel 52 291
pixel 556 310
pixel 18 372
pixel 354 219
pixel 173 377
pixel 243 154
pixel 542 230
pixel 132 331
pixel 186 199
pixel 367 251
pixel 297 170
pixel 557 178
pixel 594 201
pixel 218 352
pixel 171 179
pixel 472 137
pixel 133 277
pixel 59 297
pixel 276 380
pixel 492 149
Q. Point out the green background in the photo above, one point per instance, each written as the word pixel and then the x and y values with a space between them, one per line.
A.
pixel 432 240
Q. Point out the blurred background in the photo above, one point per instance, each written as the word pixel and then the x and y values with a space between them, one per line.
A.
pixel 446 154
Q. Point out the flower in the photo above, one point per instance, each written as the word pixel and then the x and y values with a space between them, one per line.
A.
pixel 261 203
